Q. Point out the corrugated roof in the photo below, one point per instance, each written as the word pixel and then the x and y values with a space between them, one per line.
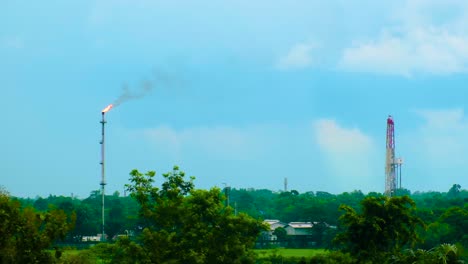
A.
pixel 301 224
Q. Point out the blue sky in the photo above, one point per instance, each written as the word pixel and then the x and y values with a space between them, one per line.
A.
pixel 242 92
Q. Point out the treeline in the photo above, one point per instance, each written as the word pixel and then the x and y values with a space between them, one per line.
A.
pixel 444 213
pixel 174 223
pixel 323 206
pixel 26 235
pixel 121 213
pixel 176 218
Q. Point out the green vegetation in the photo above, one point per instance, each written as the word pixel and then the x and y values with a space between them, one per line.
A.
pixel 176 223
pixel 289 252
pixel 186 225
pixel 25 234
pixel 285 256
pixel 383 228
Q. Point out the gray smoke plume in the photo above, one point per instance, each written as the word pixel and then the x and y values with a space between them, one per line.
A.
pixel 144 89
pixel 160 79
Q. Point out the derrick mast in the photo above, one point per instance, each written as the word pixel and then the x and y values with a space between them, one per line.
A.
pixel 392 164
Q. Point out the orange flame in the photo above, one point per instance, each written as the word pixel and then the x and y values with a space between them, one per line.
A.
pixel 107 108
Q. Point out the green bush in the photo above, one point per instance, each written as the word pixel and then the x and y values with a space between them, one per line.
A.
pixel 83 257
pixel 332 257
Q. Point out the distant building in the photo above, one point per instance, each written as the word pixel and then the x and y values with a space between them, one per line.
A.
pixel 298 234
pixel 273 224
pixel 91 238
pixel 299 228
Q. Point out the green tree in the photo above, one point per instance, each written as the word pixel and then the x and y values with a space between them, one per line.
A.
pixel 318 233
pixel 436 233
pixel 385 226
pixel 26 233
pixel 280 233
pixel 457 220
pixel 87 221
pixel 186 225
pixel 402 192
pixel 454 192
pixel 41 204
pixel 443 253
pixel 116 221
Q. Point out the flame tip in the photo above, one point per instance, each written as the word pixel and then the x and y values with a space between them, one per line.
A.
pixel 107 108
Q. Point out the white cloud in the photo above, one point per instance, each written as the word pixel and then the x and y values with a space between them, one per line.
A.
pixel 165 138
pixel 436 151
pixel 443 119
pixel 336 140
pixel 336 159
pixel 428 37
pixel 442 139
pixel 218 142
pixel 350 155
pixel 422 50
pixel 298 57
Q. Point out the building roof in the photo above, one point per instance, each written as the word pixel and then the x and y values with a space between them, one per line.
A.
pixel 301 224
pixel 271 221
pixel 274 223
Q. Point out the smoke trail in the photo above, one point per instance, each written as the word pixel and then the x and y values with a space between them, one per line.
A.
pixel 146 86
pixel 144 89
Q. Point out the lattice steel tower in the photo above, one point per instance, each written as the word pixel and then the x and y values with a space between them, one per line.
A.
pixel 392 164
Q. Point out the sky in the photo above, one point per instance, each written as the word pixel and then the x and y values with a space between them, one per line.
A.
pixel 239 93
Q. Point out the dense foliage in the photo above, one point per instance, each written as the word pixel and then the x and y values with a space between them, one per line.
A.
pixel 186 225
pixel 175 216
pixel 26 234
pixel 443 214
pixel 383 228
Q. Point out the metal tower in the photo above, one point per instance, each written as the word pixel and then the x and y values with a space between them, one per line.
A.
pixel 103 178
pixel 392 164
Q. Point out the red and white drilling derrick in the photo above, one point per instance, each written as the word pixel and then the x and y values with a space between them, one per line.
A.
pixel 392 164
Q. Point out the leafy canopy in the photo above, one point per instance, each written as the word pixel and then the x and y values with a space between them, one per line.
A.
pixel 186 225
pixel 384 226
pixel 26 234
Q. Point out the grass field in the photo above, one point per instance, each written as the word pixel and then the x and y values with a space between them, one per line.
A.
pixel 80 256
pixel 68 252
pixel 289 252
pixel 262 253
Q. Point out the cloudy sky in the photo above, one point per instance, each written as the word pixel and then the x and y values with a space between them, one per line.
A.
pixel 244 93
